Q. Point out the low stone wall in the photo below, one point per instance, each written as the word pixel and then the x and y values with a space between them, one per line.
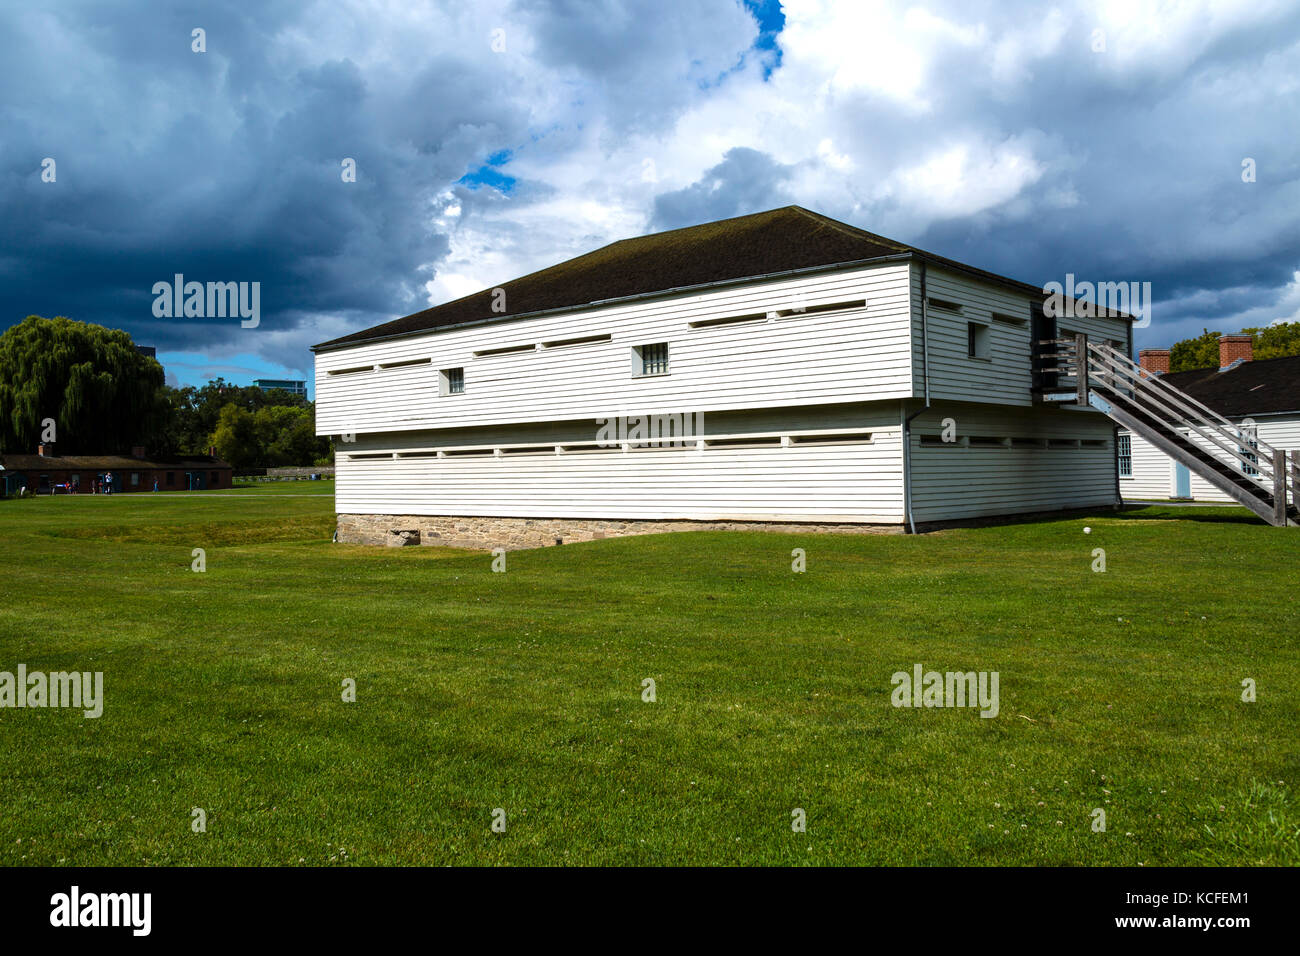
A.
pixel 325 471
pixel 516 533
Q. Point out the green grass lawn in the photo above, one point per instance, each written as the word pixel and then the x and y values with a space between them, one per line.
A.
pixel 522 691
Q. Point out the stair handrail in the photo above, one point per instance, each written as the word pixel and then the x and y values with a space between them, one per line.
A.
pixel 1207 413
pixel 1258 468
pixel 1257 465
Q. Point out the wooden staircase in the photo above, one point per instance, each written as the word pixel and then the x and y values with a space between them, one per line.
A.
pixel 1076 371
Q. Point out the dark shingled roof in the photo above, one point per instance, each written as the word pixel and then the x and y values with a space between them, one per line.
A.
pixel 779 240
pixel 1261 387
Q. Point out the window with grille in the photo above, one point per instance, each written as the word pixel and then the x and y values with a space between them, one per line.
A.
pixel 453 381
pixel 1249 451
pixel 653 358
pixel 1124 454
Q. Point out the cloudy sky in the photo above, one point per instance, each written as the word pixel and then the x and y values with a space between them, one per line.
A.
pixel 493 138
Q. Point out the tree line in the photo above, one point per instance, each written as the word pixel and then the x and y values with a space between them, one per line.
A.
pixel 89 390
pixel 1274 341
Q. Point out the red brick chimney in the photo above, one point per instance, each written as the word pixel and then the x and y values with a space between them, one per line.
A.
pixel 45 450
pixel 1155 361
pixel 1233 347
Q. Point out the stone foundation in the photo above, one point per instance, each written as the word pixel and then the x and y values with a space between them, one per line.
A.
pixel 516 533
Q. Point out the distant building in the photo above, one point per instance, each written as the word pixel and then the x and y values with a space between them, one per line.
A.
pixel 289 385
pixel 1260 397
pixel 47 473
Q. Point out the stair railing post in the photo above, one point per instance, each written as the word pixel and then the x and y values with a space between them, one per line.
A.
pixel 1081 367
pixel 1295 478
pixel 1279 487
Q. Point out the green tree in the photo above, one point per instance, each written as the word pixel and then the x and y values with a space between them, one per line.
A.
pixel 195 410
pixel 1273 341
pixel 1276 341
pixel 236 437
pixel 102 395
pixel 1200 352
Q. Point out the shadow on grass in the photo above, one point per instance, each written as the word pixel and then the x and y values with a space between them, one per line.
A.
pixel 1225 515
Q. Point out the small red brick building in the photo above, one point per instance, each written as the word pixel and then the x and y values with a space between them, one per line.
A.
pixel 46 473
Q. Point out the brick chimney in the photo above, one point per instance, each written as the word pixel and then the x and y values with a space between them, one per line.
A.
pixel 45 450
pixel 1155 361
pixel 1234 347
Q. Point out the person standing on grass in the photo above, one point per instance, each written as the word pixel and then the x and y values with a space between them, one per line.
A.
pixel 108 483
pixel 155 483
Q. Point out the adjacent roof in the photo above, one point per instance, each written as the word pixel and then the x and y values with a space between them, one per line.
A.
pixel 789 239
pixel 1261 387
pixel 103 462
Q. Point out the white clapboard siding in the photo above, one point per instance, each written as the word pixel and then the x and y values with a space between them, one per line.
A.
pixel 1153 473
pixel 859 481
pixel 860 354
pixel 965 481
pixel 1005 376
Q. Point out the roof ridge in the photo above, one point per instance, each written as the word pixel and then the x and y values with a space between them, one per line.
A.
pixel 710 222
pixel 855 231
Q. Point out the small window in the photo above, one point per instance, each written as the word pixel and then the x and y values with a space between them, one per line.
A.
pixel 844 438
pixel 1028 443
pixel 652 359
pixel 757 441
pixel 936 441
pixel 135 478
pixel 944 304
pixel 408 363
pixel 977 340
pixel 453 381
pixel 1249 451
pixel 582 340
pixel 988 442
pixel 467 452
pixel 728 320
pixel 504 350
pixel 1124 455
pixel 1062 443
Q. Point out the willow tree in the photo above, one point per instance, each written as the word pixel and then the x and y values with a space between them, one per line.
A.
pixel 100 394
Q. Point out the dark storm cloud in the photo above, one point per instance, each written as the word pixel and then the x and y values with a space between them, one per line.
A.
pixel 224 166
pixel 745 181
pixel 475 166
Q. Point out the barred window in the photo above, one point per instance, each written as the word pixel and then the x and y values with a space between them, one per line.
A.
pixel 654 358
pixel 453 381
pixel 1124 454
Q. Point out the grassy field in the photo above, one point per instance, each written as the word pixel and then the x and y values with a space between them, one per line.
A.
pixel 523 691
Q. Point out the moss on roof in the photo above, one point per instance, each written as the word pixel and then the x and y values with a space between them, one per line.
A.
pixel 779 240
